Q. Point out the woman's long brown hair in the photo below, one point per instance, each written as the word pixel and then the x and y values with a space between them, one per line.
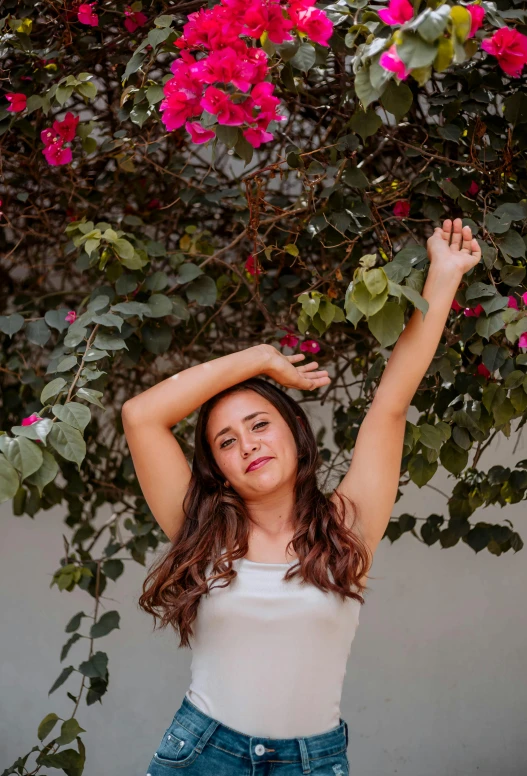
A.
pixel 216 519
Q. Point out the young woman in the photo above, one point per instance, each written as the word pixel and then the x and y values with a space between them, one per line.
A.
pixel 264 573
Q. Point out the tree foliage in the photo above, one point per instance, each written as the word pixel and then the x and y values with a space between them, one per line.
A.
pixel 133 248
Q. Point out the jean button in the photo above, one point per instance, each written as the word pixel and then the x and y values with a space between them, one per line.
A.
pixel 259 749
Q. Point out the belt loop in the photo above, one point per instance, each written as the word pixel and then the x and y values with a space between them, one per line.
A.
pixel 304 755
pixel 206 735
pixel 347 734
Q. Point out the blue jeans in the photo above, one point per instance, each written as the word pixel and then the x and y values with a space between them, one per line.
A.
pixel 202 746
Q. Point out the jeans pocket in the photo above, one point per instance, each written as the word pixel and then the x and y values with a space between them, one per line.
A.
pixel 177 748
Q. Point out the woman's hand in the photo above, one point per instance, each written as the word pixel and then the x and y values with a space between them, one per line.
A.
pixel 453 247
pixel 305 377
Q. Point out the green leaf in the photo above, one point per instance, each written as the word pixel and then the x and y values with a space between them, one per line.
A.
pixel 375 280
pixel 23 454
pixel 46 726
pixel 9 481
pixel 416 52
pixel 68 441
pixel 397 99
pixel 10 324
pixel 421 470
pixel 108 622
pixel 387 324
pixel 124 248
pixel 202 290
pixel 89 394
pixel 415 298
pixel 366 93
pixel 159 306
pixel 46 473
pixel 77 415
pixel 304 58
pixel 366 123
pixel 52 389
pixel 69 731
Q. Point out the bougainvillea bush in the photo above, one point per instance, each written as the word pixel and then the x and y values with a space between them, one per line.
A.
pixel 183 180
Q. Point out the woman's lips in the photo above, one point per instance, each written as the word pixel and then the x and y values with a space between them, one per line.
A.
pixel 259 464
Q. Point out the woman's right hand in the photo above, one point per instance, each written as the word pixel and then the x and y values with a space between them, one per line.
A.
pixel 305 377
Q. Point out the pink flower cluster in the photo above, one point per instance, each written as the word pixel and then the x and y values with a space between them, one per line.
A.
pixel 86 14
pixel 54 150
pixel 229 81
pixel 508 45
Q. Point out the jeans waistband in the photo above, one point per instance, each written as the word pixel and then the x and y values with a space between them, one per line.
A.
pixel 261 748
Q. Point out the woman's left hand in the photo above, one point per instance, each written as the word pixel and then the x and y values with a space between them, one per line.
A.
pixel 453 247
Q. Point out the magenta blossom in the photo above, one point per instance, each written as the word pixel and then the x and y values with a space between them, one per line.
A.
pixel 309 346
pixel 67 127
pixel 220 104
pixel 314 23
pixel 455 306
pixel 513 302
pixel 251 267
pixel 401 209
pixel 86 14
pixel 398 12
pixel 56 154
pixel 71 317
pixel 391 61
pixel 482 370
pixel 522 342
pixel 510 49
pixel 178 107
pixel 30 419
pixel 257 136
pixel 473 189
pixel 17 102
pixel 524 297
pixel 289 341
pixel 477 14
pixel 473 312
pixel 198 133
pixel 134 19
pixel 260 18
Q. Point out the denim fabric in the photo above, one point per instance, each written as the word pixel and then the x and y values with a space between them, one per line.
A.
pixel 201 746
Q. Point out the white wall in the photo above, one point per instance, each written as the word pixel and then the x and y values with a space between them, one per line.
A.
pixel 435 682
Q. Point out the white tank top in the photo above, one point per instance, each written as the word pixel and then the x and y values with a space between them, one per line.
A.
pixel 269 657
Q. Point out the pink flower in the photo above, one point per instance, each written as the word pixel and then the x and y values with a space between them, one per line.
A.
pixel 455 306
pixel 250 266
pixel 513 302
pixel 309 346
pixel 134 19
pixel 401 209
pixel 17 102
pixel 198 133
pixel 260 18
pixel 477 12
pixel 67 127
pixel 398 12
pixel 178 107
pixel 314 23
pixel 219 104
pixel 510 48
pixel 257 136
pixel 522 342
pixel 473 312
pixel 71 316
pixel 289 341
pixel 86 15
pixel 30 419
pixel 524 298
pixel 482 370
pixel 473 189
pixel 56 154
pixel 392 62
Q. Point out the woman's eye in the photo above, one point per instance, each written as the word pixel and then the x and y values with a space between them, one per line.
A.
pixel 260 423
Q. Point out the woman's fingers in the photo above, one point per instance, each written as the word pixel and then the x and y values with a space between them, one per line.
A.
pixel 467 238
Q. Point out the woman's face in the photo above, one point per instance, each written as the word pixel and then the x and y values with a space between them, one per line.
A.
pixel 237 440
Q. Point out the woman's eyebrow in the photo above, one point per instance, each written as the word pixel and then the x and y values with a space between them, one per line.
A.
pixel 247 417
